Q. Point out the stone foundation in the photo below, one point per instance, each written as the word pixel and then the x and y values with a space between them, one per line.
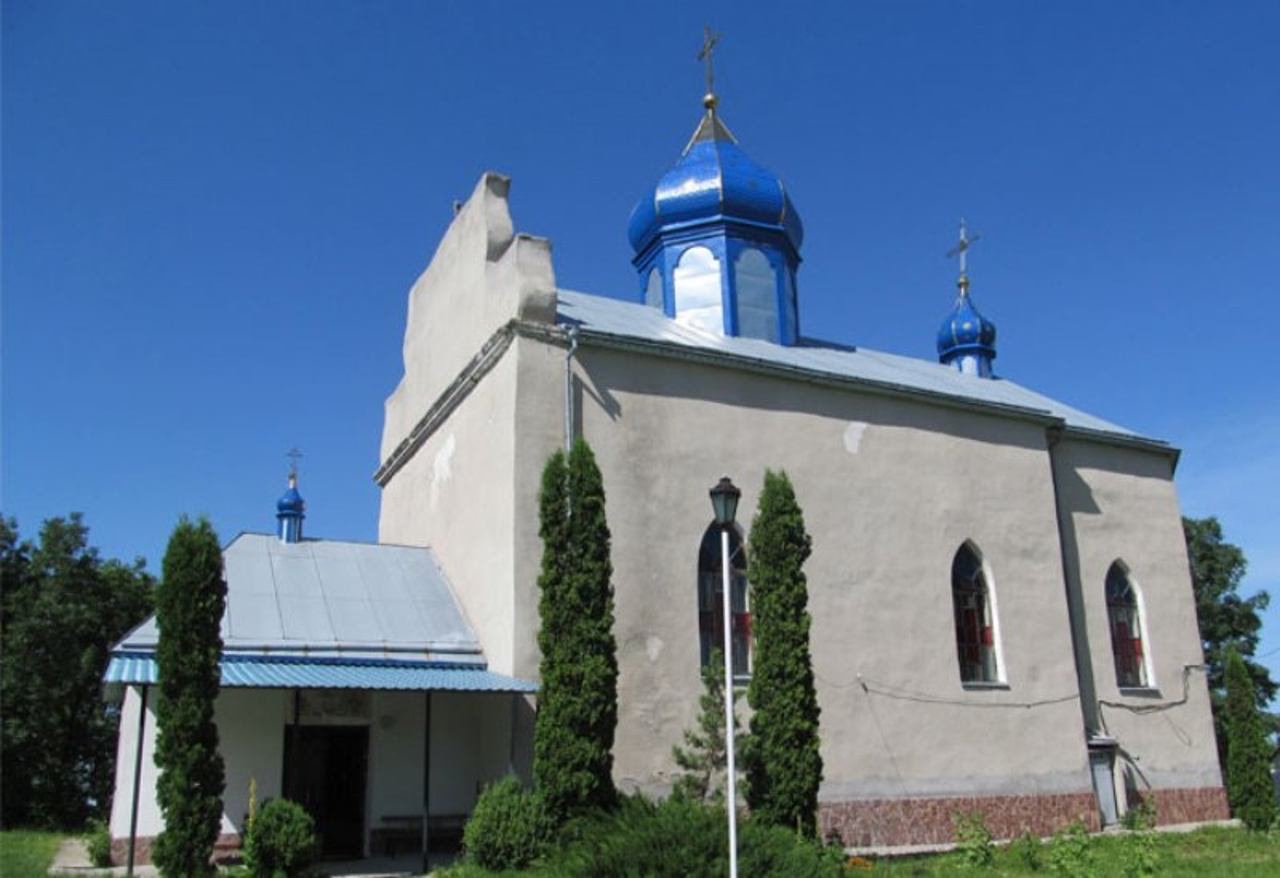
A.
pixel 225 849
pixel 1188 805
pixel 872 823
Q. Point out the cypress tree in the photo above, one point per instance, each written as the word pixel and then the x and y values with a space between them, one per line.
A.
pixel 189 607
pixel 578 698
pixel 1249 787
pixel 781 758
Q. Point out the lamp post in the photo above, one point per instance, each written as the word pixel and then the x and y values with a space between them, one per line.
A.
pixel 724 500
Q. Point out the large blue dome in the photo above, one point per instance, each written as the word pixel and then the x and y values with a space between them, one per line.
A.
pixel 966 331
pixel 714 181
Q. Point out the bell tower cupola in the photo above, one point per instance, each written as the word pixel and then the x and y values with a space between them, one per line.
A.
pixel 717 240
pixel 966 339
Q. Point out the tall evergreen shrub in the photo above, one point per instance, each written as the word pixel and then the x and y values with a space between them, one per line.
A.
pixel 781 758
pixel 1249 788
pixel 578 698
pixel 189 605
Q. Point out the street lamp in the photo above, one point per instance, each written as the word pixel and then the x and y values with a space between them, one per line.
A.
pixel 724 500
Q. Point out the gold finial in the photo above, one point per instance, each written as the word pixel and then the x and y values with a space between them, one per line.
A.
pixel 709 41
pixel 294 455
pixel 959 250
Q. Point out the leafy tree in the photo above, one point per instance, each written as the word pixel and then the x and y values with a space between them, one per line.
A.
pixel 62 607
pixel 704 758
pixel 1226 619
pixel 578 698
pixel 189 606
pixel 1249 787
pixel 783 765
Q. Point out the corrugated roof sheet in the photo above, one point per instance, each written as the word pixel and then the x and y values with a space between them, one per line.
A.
pixel 267 673
pixel 329 598
pixel 626 321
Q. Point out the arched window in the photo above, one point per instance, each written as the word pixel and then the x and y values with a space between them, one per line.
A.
pixel 697 290
pixel 757 286
pixel 711 599
pixel 1124 616
pixel 977 641
pixel 653 289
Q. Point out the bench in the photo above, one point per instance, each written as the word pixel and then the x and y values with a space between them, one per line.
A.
pixel 402 834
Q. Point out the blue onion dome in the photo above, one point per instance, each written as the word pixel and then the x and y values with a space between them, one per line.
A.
pixel 966 330
pixel 714 181
pixel 291 502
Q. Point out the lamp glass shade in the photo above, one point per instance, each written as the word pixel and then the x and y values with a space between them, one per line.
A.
pixel 724 500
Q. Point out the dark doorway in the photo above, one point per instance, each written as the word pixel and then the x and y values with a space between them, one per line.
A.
pixel 326 774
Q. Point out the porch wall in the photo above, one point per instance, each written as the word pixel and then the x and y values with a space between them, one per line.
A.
pixel 470 747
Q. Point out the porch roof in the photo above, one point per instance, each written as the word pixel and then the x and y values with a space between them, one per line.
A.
pixel 297 672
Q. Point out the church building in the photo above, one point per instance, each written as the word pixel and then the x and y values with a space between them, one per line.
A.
pixel 1002 613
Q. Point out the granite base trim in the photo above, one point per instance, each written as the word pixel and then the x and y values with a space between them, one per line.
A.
pixel 225 849
pixel 1188 805
pixel 870 823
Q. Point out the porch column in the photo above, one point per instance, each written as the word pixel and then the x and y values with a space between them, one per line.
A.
pixel 426 787
pixel 137 781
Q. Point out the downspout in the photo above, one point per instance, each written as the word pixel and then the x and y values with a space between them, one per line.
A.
pixel 572 334
pixel 137 782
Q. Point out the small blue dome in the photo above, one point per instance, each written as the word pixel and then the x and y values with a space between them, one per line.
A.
pixel 966 331
pixel 291 502
pixel 714 181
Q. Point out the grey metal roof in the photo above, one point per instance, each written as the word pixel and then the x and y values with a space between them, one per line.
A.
pixel 328 598
pixel 247 672
pixel 625 322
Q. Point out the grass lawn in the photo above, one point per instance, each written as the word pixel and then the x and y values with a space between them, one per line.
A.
pixel 1213 850
pixel 26 854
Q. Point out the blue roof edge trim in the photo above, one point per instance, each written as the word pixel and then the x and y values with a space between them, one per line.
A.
pixel 340 661
pixel 141 669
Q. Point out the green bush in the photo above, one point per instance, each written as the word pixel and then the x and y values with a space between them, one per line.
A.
pixel 678 838
pixel 1071 853
pixel 784 853
pixel 973 839
pixel 675 837
pixel 1141 816
pixel 1027 850
pixel 508 829
pixel 281 841
pixel 99 845
pixel 1139 856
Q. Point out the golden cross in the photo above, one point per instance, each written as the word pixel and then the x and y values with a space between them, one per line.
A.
pixel 293 454
pixel 709 41
pixel 965 243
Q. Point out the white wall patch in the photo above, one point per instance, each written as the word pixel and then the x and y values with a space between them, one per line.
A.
pixel 853 436
pixel 442 469
pixel 653 647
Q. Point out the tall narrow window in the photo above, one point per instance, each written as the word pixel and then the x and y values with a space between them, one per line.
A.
pixel 976 641
pixel 711 599
pixel 1124 616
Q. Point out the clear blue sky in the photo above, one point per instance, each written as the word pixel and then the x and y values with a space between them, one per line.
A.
pixel 213 212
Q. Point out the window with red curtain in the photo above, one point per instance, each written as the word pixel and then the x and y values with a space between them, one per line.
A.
pixel 1126 629
pixel 975 631
pixel 711 600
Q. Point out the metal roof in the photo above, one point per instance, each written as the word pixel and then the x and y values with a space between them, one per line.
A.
pixel 297 673
pixel 613 320
pixel 328 598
